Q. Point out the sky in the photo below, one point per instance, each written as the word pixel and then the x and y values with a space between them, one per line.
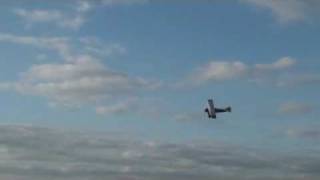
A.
pixel 117 89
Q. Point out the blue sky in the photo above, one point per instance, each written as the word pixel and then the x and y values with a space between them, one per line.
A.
pixel 146 68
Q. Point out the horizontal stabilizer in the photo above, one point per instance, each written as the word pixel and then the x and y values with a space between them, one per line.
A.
pixel 228 109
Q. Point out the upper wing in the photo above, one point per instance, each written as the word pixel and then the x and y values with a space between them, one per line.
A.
pixel 211 107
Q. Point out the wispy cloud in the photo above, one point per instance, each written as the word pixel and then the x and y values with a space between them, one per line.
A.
pixel 56 17
pixel 296 80
pixel 304 132
pixel 29 152
pixel 98 48
pixel 60 45
pixel 219 71
pixel 67 48
pixel 121 107
pixel 39 15
pixel 282 63
pixel 73 18
pixel 122 2
pixel 294 108
pixel 287 11
pixel 84 6
pixel 143 107
pixel 188 117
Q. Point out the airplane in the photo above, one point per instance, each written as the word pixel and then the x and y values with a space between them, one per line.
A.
pixel 211 110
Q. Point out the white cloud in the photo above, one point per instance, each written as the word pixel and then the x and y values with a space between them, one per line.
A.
pixel 95 46
pixel 58 44
pixel 84 65
pixel 78 79
pixel 113 109
pixel 73 23
pixel 294 108
pixel 84 80
pixel 51 16
pixel 226 70
pixel 282 63
pixel 65 47
pixel 71 20
pixel 39 15
pixel 219 71
pixel 121 107
pixel 128 2
pixel 286 11
pixel 134 105
pixel 84 6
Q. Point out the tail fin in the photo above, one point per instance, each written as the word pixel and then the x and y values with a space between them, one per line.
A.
pixel 228 109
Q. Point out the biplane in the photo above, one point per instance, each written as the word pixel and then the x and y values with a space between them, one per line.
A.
pixel 212 111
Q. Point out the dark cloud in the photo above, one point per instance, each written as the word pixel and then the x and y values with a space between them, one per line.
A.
pixel 42 153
